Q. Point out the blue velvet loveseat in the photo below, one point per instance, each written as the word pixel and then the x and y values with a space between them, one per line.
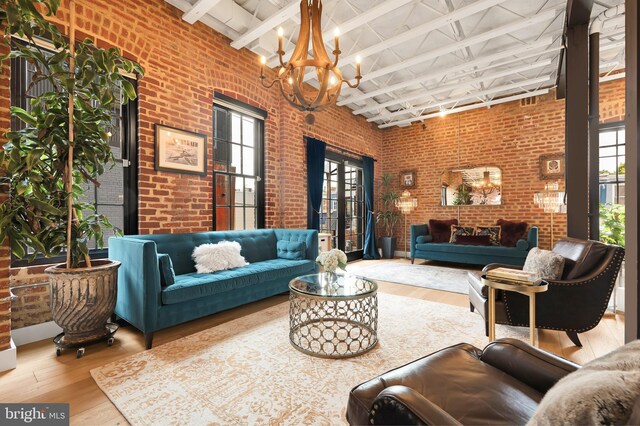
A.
pixel 424 248
pixel 275 257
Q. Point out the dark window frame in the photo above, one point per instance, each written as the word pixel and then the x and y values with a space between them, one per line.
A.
pixel 342 161
pixel 234 106
pixel 129 153
pixel 615 126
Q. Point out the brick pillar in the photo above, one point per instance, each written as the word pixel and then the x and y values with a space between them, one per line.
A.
pixel 5 254
pixel 5 303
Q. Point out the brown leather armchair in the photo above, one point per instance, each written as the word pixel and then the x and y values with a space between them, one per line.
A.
pixel 574 304
pixel 502 384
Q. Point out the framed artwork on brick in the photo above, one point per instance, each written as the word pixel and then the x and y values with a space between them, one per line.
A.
pixel 408 179
pixel 552 166
pixel 180 151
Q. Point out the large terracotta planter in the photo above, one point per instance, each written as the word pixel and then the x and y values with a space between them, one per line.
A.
pixel 83 299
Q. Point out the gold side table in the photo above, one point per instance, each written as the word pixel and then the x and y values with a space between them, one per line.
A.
pixel 528 290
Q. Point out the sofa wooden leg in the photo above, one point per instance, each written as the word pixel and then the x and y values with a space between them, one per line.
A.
pixel 574 338
pixel 486 328
pixel 148 340
pixel 412 259
pixel 471 307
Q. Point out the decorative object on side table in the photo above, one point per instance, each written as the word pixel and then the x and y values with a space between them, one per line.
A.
pixel 44 214
pixel 408 179
pixel 180 151
pixel 406 203
pixel 388 217
pixel 552 166
pixel 552 200
pixel 333 321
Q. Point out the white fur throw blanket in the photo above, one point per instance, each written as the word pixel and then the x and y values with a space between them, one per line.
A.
pixel 603 392
pixel 218 257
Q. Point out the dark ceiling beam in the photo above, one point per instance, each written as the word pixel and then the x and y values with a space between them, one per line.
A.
pixel 578 13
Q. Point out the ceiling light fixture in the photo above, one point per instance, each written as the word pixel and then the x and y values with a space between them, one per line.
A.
pixel 290 77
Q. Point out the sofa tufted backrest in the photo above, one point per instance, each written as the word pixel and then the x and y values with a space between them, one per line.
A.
pixel 257 245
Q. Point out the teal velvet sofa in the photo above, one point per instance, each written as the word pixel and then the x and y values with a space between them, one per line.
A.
pixel 149 306
pixel 423 248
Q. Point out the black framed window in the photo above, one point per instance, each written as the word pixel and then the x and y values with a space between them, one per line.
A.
pixel 117 195
pixel 612 164
pixel 238 165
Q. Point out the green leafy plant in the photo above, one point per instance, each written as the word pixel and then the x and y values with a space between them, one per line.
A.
pixel 612 223
pixel 462 197
pixel 46 169
pixel 388 216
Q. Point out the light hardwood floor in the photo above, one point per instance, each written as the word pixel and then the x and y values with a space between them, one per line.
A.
pixel 43 377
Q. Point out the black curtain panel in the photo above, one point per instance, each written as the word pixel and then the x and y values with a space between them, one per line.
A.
pixel 370 250
pixel 316 151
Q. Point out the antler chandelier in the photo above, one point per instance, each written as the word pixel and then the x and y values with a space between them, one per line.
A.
pixel 291 76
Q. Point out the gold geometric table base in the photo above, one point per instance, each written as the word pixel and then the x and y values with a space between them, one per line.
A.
pixel 333 328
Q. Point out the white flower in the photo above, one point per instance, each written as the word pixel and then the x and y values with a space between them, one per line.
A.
pixel 331 260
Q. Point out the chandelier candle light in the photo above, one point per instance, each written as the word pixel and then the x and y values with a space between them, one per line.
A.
pixel 291 75
pixel 406 203
pixel 552 200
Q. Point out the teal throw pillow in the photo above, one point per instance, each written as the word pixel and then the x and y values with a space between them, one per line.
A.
pixel 167 274
pixel 423 239
pixel 292 250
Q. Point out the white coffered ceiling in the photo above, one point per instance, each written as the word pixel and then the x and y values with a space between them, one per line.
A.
pixel 421 58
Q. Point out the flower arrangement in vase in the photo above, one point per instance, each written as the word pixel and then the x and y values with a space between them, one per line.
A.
pixel 332 260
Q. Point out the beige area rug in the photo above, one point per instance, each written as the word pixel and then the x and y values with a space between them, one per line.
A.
pixel 419 275
pixel 245 372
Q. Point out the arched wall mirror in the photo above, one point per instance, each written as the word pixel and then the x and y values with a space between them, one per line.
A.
pixel 472 186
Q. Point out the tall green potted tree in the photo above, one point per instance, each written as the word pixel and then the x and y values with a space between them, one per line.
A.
pixel 388 216
pixel 63 145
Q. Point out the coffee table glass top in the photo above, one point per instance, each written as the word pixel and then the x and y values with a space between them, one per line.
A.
pixel 333 285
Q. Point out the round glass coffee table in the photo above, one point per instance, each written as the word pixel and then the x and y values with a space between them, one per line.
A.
pixel 333 315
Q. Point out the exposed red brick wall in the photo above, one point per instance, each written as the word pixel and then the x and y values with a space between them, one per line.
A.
pixel 184 65
pixel 509 136
pixel 5 257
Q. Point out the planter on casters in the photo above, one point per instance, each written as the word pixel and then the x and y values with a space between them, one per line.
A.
pixel 82 302
pixel 388 245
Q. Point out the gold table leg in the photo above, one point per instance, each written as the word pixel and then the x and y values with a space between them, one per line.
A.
pixel 532 318
pixel 492 314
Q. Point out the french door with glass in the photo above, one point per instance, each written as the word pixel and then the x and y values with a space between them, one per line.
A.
pixel 342 213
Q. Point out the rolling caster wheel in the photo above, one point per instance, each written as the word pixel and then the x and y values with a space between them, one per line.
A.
pixel 79 353
pixel 58 351
pixel 110 341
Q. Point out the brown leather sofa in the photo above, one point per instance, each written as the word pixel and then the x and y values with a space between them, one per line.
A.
pixel 502 384
pixel 574 304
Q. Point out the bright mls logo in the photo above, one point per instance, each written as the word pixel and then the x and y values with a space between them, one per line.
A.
pixel 34 414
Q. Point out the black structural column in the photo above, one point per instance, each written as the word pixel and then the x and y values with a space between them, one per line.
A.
pixel 594 135
pixel 632 299
pixel 577 117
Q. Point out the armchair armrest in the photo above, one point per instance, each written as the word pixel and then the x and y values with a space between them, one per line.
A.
pixel 139 289
pixel 401 405
pixel 532 237
pixel 416 231
pixel 499 265
pixel 532 366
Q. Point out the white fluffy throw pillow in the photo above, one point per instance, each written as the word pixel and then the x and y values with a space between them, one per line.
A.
pixel 218 257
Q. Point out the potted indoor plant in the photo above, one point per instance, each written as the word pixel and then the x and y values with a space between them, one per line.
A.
pixel 388 216
pixel 63 143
